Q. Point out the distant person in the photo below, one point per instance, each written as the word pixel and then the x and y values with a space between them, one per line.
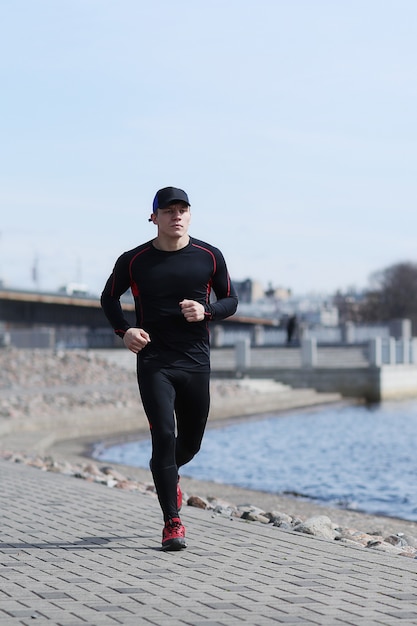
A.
pixel 171 278
pixel 291 327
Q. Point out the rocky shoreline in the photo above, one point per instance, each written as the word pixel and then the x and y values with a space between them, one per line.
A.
pixel 399 543
pixel 53 405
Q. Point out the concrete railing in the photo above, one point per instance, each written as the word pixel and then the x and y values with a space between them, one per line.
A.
pixel 375 353
pixel 375 371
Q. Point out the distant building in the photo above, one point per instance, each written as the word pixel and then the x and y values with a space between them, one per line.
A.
pixel 248 290
pixel 74 289
pixel 278 293
pixel 322 316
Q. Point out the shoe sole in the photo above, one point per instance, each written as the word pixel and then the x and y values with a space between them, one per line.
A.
pixel 174 545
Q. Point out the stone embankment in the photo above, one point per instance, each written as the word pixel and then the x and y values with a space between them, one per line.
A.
pixel 54 396
pixel 88 393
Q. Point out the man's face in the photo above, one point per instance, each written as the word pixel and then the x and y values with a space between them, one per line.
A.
pixel 173 220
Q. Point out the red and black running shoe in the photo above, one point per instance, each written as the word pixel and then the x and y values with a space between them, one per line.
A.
pixel 173 535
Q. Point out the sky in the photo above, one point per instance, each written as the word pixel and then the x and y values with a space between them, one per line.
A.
pixel 291 125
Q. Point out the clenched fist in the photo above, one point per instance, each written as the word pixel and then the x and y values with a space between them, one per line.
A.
pixel 135 339
pixel 192 311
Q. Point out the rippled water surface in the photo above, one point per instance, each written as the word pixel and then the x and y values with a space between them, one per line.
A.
pixel 350 457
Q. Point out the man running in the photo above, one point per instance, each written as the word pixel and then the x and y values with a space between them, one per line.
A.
pixel 171 278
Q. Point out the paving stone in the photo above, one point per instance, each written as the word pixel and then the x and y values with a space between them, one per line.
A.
pixel 74 552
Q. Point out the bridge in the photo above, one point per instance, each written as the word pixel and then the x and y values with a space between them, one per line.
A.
pixel 32 308
pixel 60 313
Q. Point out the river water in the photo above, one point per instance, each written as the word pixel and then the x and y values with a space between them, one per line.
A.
pixel 351 457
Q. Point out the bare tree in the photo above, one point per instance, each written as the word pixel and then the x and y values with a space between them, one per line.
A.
pixel 393 294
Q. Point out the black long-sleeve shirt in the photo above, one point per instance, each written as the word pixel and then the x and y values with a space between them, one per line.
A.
pixel 159 281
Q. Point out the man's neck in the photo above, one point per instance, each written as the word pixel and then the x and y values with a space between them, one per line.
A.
pixel 169 244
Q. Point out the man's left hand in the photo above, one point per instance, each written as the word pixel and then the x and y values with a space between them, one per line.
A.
pixel 193 311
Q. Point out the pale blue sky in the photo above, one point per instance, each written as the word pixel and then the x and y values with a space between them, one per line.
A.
pixel 290 123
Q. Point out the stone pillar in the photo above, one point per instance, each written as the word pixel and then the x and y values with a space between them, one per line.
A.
pixel 400 328
pixel 348 332
pixel 375 352
pixel 5 340
pixel 404 345
pixel 413 356
pixel 302 331
pixel 309 352
pixel 218 336
pixel 392 351
pixel 52 338
pixel 242 351
pixel 258 335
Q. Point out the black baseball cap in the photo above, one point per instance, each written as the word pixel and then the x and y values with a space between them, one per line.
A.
pixel 167 196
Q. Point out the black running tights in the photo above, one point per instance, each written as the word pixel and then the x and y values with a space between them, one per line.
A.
pixel 176 404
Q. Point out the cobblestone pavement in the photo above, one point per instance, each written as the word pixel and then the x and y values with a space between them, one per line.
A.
pixel 74 553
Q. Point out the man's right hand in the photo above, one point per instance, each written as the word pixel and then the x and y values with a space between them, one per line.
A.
pixel 135 339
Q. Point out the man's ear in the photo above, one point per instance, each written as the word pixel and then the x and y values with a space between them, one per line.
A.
pixel 153 218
